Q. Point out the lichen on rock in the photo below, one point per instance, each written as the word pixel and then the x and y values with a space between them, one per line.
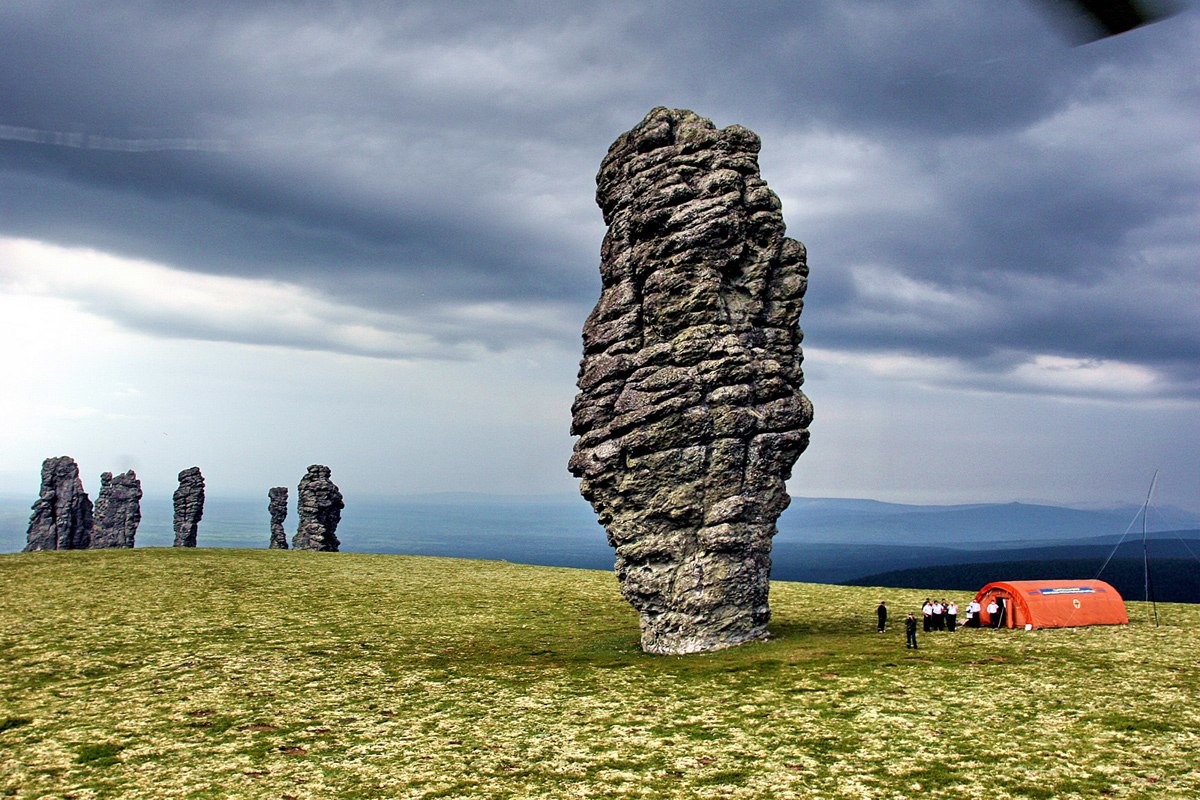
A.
pixel 689 412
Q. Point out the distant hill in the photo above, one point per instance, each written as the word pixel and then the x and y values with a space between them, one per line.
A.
pixel 1173 580
pixel 862 564
pixel 845 521
pixel 820 540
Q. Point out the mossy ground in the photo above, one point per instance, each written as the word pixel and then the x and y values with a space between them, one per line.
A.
pixel 161 673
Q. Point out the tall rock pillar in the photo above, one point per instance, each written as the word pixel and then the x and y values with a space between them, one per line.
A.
pixel 277 507
pixel 62 514
pixel 118 510
pixel 319 506
pixel 189 506
pixel 689 412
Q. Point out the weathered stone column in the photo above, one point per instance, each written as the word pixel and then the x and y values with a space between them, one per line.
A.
pixel 319 506
pixel 118 510
pixel 278 510
pixel 62 514
pixel 689 413
pixel 189 506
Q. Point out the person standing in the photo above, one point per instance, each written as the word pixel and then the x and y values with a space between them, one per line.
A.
pixel 993 613
pixel 951 616
pixel 939 615
pixel 973 609
pixel 910 632
pixel 881 613
pixel 927 613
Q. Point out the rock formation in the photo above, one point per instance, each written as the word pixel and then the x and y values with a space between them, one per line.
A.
pixel 62 515
pixel 118 510
pixel 278 509
pixel 689 413
pixel 319 506
pixel 189 506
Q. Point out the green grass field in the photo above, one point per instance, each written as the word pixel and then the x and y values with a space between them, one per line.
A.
pixel 163 673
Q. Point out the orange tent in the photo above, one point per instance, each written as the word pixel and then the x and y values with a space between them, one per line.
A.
pixel 1052 604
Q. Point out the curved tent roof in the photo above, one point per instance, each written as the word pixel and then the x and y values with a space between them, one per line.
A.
pixel 1054 604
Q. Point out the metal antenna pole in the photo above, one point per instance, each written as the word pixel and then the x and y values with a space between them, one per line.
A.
pixel 1146 549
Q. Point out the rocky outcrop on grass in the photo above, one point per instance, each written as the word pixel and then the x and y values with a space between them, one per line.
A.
pixel 689 412
pixel 189 506
pixel 278 510
pixel 118 510
pixel 62 514
pixel 319 506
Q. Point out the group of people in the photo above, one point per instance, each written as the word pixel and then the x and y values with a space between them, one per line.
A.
pixel 939 615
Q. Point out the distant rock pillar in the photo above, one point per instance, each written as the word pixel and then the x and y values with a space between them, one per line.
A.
pixel 689 413
pixel 189 506
pixel 278 509
pixel 118 510
pixel 319 506
pixel 62 514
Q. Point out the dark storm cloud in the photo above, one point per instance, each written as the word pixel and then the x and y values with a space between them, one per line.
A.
pixel 218 213
pixel 1027 198
pixel 1063 234
pixel 930 68
pixel 335 159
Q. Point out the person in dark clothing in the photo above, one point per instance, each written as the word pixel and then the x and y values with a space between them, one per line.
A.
pixel 881 612
pixel 910 631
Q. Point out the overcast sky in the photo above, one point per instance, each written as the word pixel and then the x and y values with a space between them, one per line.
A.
pixel 363 234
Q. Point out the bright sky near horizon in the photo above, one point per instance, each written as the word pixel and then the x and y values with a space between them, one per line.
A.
pixel 268 235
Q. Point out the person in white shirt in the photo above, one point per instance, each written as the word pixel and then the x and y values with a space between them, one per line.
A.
pixel 973 609
pixel 993 610
pixel 927 613
pixel 951 616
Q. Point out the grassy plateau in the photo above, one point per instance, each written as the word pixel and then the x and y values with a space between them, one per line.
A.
pixel 207 673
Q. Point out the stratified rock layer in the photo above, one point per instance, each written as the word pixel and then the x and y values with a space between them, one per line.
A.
pixel 62 514
pixel 189 506
pixel 278 510
pixel 689 413
pixel 118 510
pixel 319 506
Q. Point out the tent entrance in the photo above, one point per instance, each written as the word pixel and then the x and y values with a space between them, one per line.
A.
pixel 1006 613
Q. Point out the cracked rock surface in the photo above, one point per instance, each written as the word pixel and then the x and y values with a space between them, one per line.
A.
pixel 689 412
pixel 319 506
pixel 118 510
pixel 277 507
pixel 189 506
pixel 62 514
